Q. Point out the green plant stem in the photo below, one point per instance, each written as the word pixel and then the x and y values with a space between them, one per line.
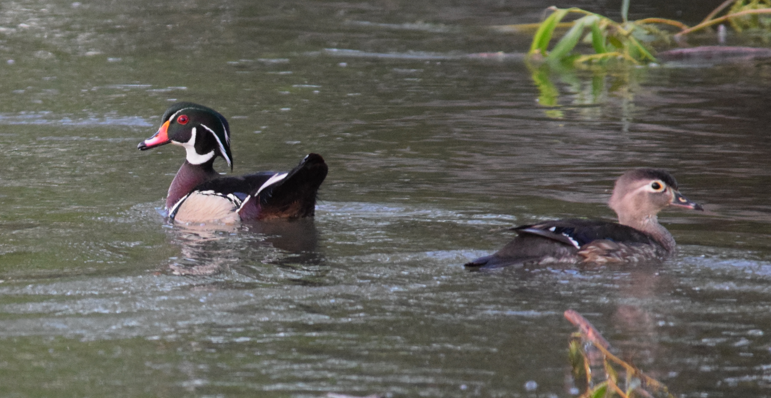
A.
pixel 721 19
pixel 717 10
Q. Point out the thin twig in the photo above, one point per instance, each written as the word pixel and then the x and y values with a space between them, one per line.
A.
pixel 591 334
pixel 717 10
pixel 649 381
pixel 618 389
pixel 588 370
pixel 721 19
pixel 586 328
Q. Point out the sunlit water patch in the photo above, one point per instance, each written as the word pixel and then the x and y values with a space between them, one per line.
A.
pixel 52 119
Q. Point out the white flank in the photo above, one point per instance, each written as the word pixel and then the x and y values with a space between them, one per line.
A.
pixel 211 209
pixel 176 205
pixel 272 180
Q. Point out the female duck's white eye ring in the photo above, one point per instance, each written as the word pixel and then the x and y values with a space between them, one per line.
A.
pixel 657 186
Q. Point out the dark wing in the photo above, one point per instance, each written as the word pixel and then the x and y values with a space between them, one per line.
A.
pixel 240 186
pixel 564 241
pixel 528 249
pixel 579 232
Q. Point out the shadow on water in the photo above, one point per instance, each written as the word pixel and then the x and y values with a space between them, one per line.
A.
pixel 249 250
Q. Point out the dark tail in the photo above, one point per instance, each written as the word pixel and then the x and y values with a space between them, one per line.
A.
pixel 292 195
pixel 493 261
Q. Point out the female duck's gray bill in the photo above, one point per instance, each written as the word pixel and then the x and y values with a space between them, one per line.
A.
pixel 682 201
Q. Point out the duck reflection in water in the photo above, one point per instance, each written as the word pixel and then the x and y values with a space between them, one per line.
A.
pixel 210 249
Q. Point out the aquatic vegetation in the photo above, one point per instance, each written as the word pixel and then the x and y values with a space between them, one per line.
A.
pixel 612 51
pixel 632 41
pixel 609 39
pixel 599 373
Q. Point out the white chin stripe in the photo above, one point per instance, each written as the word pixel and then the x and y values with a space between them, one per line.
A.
pixel 272 180
pixel 192 156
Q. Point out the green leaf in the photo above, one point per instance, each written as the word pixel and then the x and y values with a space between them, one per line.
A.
pixel 615 42
pixel 642 50
pixel 545 31
pixel 569 41
pixel 600 390
pixel 598 39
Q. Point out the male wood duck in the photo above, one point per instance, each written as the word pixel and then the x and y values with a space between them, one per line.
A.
pixel 637 198
pixel 198 194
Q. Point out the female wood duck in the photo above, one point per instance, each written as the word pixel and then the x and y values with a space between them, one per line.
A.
pixel 637 198
pixel 198 194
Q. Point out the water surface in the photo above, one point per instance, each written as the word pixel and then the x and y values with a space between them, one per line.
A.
pixel 435 147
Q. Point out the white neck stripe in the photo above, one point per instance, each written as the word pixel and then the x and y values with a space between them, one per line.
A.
pixel 222 148
pixel 227 133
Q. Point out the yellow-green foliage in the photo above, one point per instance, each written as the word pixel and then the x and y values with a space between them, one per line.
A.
pixel 609 39
pixel 630 41
pixel 612 377
pixel 751 21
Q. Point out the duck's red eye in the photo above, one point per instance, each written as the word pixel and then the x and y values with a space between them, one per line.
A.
pixel 182 119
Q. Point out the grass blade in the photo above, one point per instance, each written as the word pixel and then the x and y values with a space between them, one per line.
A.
pixel 599 391
pixel 545 31
pixel 569 41
pixel 598 39
pixel 643 51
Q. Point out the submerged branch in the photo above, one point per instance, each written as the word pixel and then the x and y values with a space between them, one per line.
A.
pixel 644 384
pixel 586 328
